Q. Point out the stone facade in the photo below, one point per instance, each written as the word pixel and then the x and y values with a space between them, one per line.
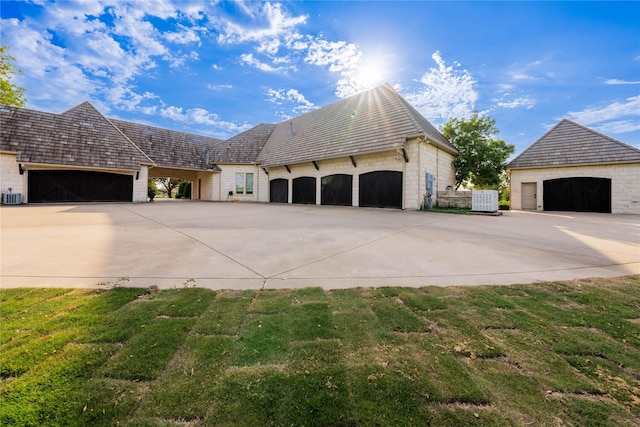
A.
pixel 625 183
pixel 455 199
pixel 224 182
pixel 423 158
pixel 10 175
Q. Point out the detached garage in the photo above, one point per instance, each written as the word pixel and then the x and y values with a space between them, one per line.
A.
pixel 574 168
pixel 76 156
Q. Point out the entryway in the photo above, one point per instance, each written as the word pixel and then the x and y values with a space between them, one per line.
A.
pixel 529 196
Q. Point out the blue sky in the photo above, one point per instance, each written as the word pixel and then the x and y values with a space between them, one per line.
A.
pixel 218 68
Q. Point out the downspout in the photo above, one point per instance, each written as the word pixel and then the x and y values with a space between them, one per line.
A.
pixel 404 183
pixel 420 173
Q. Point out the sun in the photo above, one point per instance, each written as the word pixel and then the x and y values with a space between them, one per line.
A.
pixel 371 73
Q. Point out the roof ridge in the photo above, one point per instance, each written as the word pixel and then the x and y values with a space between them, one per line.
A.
pixel 599 134
pixel 165 129
pixel 68 110
pixel 534 142
pixel 131 142
pixel 398 98
pixel 570 143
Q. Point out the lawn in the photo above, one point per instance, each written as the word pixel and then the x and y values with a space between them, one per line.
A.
pixel 561 353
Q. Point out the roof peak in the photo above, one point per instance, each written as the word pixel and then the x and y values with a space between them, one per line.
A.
pixel 570 143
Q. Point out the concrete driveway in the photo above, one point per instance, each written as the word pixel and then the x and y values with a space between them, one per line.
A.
pixel 234 245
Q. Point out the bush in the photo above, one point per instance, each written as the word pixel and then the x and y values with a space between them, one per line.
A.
pixel 151 189
pixel 504 205
pixel 184 190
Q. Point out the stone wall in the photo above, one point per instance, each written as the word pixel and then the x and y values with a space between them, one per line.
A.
pixel 10 175
pixel 454 199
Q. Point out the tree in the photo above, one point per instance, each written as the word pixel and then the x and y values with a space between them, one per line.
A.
pixel 10 94
pixel 168 183
pixel 482 159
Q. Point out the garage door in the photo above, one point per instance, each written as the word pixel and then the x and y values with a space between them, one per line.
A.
pixel 304 190
pixel 577 194
pixel 279 191
pixel 79 186
pixel 336 190
pixel 381 189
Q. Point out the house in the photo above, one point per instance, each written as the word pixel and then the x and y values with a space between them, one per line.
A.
pixel 370 150
pixel 574 168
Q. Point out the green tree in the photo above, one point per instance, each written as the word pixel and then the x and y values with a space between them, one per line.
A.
pixel 482 159
pixel 10 94
pixel 168 183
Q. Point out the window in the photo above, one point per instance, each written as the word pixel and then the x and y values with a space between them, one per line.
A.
pixel 244 183
pixel 239 183
pixel 249 181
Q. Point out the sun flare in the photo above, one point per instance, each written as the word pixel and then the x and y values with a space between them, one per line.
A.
pixel 371 73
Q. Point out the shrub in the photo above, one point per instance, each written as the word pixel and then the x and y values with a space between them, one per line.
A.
pixel 504 205
pixel 184 190
pixel 151 189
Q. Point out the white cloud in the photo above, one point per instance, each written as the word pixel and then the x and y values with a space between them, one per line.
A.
pixel 447 91
pixel 621 82
pixel 198 116
pixel 250 60
pixel 183 36
pixel 615 118
pixel 339 56
pixel 523 76
pixel 293 100
pixel 271 27
pixel 618 126
pixel 613 111
pixel 506 101
pixel 218 87
pixel 68 55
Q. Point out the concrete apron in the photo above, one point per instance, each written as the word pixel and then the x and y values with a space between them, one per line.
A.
pixel 253 246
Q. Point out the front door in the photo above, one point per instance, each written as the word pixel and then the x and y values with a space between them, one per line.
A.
pixel 529 196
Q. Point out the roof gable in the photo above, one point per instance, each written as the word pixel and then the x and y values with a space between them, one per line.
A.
pixel 170 148
pixel 80 136
pixel 375 120
pixel 244 147
pixel 569 143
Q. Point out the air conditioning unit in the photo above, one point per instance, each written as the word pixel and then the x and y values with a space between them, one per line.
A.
pixel 484 200
pixel 11 198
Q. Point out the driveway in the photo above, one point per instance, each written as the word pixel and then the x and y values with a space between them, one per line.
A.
pixel 241 245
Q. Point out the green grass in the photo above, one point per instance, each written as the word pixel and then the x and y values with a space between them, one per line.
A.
pixel 561 353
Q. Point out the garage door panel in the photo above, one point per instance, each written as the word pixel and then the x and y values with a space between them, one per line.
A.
pixel 381 189
pixel 304 190
pixel 336 190
pixel 279 190
pixel 79 186
pixel 578 194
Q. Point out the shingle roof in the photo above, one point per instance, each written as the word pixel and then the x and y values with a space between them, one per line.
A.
pixel 244 147
pixel 375 120
pixel 569 143
pixel 170 148
pixel 79 137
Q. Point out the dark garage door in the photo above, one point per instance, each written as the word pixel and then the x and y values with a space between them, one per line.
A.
pixel 381 189
pixel 336 190
pixel 79 186
pixel 304 190
pixel 577 194
pixel 279 191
